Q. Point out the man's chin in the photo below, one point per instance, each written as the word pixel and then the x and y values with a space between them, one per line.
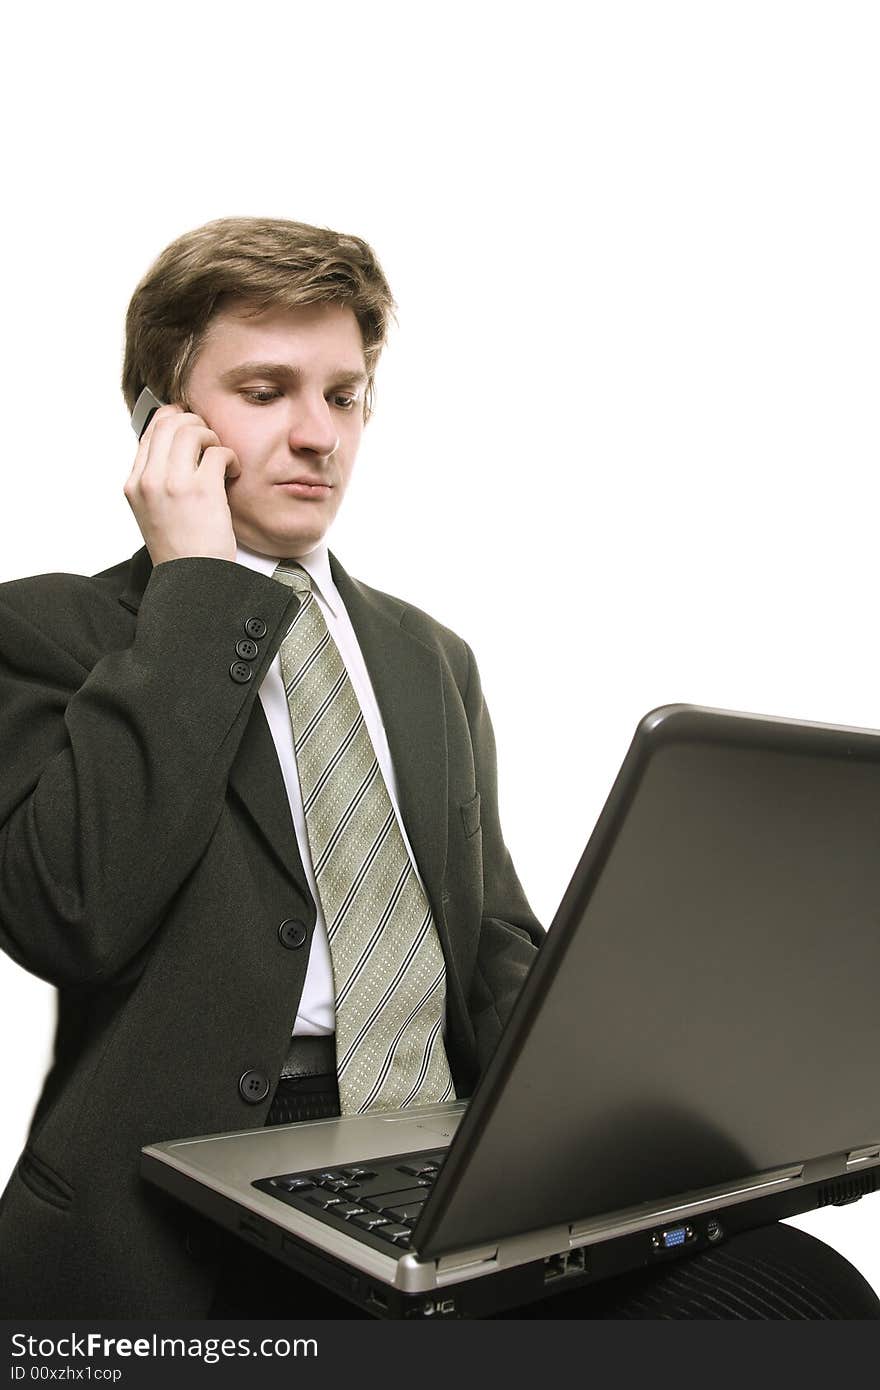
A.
pixel 276 544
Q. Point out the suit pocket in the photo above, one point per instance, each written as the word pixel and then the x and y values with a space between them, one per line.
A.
pixel 43 1181
pixel 470 815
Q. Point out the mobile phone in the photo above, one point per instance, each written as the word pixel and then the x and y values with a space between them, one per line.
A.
pixel 145 408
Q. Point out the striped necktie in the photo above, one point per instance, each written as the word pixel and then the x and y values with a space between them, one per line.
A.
pixel 388 967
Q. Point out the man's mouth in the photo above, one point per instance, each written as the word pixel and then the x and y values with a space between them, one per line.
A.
pixel 306 487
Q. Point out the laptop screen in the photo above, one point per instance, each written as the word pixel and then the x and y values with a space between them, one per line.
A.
pixel 705 1006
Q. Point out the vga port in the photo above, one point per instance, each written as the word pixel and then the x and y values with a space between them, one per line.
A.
pixel 671 1237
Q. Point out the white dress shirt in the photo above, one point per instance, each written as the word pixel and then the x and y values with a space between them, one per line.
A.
pixel 317 1012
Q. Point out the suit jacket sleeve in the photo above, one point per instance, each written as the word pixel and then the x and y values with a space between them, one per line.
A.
pixel 510 934
pixel 115 763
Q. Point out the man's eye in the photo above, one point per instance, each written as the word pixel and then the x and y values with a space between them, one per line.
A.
pixel 344 401
pixel 262 396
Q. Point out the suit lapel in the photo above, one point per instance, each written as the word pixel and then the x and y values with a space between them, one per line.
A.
pixel 255 777
pixel 406 678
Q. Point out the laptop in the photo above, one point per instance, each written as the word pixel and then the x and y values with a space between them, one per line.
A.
pixel 693 1053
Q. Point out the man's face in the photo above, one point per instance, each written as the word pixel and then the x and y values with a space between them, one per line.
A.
pixel 285 392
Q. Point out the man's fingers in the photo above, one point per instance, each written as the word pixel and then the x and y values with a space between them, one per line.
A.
pixel 220 460
pixel 165 412
pixel 170 451
pixel 176 488
pixel 178 454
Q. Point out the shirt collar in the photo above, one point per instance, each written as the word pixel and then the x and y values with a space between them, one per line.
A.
pixel 316 564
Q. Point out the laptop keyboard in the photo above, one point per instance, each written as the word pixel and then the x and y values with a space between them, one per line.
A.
pixel 377 1200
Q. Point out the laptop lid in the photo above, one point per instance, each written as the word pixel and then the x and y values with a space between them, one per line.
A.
pixel 705 1006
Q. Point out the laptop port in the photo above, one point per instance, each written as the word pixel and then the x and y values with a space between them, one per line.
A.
pixel 250 1228
pixel 565 1265
pixel 672 1237
pixel 377 1300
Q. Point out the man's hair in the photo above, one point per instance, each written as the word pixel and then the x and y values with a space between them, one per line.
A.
pixel 263 262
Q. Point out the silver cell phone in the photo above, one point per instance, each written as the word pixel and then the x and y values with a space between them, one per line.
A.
pixel 145 408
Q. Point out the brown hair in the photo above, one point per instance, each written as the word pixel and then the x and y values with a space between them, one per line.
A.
pixel 265 262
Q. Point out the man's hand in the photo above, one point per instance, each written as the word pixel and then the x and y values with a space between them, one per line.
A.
pixel 176 488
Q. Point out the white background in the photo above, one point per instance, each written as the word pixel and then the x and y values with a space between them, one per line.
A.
pixel 633 393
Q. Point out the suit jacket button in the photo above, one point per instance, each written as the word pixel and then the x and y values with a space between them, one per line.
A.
pixel 241 672
pixel 292 933
pixel 246 649
pixel 253 1086
pixel 255 627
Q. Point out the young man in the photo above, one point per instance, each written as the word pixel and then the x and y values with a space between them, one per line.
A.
pixel 215 906
pixel 249 823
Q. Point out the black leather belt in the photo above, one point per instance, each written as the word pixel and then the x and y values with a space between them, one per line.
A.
pixel 307 1089
pixel 308 1056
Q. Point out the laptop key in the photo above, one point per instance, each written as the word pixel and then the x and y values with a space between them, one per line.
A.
pixel 372 1203
pixel 348 1209
pixel 409 1212
pixel 359 1174
pixel 325 1202
pixel 292 1184
pixel 370 1220
pixel 398 1234
pixel 394 1199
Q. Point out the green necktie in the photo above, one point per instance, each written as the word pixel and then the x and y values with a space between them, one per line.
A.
pixel 388 967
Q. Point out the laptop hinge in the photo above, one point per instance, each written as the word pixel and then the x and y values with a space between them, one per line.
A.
pixel 466 1259
pixel 871 1154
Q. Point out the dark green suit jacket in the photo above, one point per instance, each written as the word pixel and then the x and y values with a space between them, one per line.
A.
pixel 147 860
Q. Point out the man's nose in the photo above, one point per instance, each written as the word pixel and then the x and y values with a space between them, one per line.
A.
pixel 312 427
